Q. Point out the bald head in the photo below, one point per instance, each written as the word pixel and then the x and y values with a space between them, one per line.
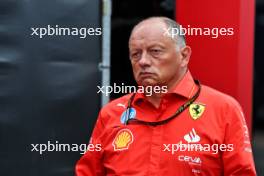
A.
pixel 162 24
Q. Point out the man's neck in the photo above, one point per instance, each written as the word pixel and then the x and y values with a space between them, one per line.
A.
pixel 155 99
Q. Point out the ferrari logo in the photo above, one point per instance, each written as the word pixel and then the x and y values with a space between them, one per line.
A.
pixel 196 110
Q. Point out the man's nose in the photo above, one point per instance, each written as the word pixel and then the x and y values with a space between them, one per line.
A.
pixel 145 59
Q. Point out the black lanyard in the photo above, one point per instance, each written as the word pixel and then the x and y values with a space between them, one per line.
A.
pixel 161 122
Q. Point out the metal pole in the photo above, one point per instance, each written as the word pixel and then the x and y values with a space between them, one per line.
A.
pixel 106 40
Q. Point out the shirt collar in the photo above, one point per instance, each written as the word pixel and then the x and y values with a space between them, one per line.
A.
pixel 184 88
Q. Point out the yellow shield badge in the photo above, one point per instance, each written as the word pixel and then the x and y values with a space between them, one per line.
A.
pixel 196 110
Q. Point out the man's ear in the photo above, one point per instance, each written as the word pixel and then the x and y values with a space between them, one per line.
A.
pixel 186 54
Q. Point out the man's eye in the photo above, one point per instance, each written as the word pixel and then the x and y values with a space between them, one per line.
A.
pixel 135 55
pixel 155 51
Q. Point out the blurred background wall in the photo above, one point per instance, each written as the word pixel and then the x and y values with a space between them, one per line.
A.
pixel 46 85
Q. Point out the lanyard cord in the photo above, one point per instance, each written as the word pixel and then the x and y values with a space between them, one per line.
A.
pixel 161 122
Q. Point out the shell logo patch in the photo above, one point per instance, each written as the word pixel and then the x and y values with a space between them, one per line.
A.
pixel 196 110
pixel 122 140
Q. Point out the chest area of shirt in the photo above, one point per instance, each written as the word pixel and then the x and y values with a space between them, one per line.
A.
pixel 157 147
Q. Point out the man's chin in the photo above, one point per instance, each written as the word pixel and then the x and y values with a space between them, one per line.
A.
pixel 148 82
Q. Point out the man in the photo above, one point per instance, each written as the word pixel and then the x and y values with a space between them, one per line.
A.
pixel 190 130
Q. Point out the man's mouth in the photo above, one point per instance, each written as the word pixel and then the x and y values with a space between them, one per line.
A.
pixel 145 74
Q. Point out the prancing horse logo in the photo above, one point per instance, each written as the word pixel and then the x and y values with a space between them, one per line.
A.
pixel 196 110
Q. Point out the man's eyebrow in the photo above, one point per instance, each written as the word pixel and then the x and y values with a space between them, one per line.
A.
pixel 134 49
pixel 156 45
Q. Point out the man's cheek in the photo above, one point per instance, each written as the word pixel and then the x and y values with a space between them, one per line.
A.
pixel 137 75
pixel 136 70
pixel 159 75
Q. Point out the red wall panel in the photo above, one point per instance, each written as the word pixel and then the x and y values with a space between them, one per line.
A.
pixel 226 62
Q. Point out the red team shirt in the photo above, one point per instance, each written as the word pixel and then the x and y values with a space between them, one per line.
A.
pixel 214 121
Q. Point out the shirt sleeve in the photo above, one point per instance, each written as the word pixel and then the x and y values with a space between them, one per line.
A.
pixel 90 163
pixel 238 161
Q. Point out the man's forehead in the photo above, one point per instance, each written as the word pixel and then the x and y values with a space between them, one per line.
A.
pixel 152 29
